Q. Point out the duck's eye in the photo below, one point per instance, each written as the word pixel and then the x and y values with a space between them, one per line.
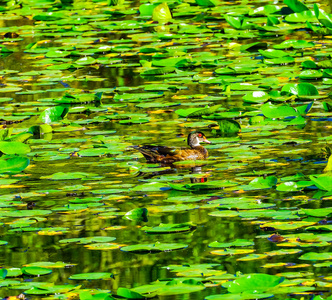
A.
pixel 200 135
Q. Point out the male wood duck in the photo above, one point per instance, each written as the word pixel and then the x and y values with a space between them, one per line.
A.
pixel 168 155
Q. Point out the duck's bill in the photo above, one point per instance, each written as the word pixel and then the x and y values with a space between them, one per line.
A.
pixel 206 141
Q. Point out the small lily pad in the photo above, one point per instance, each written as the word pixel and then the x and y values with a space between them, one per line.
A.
pixel 153 248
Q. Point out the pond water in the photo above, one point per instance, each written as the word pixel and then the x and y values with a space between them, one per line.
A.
pixel 83 82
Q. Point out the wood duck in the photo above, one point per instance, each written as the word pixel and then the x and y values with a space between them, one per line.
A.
pixel 168 155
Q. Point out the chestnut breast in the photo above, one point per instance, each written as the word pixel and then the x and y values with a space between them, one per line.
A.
pixel 198 152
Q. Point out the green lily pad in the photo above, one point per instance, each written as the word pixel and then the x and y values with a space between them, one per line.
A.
pixel 88 240
pixel 137 214
pixel 323 181
pixel 128 294
pixel 272 53
pixel 36 271
pixel 169 228
pixel 264 182
pixel 14 148
pixel 316 256
pixel 236 243
pixel 322 16
pixel 161 13
pixel 278 111
pixel 300 89
pixel 69 175
pixel 197 112
pixel 296 5
pixel 53 114
pixel 48 264
pixel 153 248
pixel 253 282
pixel 228 126
pixel 256 97
pixel 92 276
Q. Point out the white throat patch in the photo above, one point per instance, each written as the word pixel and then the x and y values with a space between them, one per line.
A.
pixel 196 142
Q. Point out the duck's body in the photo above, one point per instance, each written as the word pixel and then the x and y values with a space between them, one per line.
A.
pixel 168 155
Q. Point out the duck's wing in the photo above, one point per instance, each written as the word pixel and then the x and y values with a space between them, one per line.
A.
pixel 156 153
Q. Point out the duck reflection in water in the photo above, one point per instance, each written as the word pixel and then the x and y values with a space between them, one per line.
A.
pixel 198 170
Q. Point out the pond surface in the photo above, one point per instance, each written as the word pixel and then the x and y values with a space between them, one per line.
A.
pixel 83 82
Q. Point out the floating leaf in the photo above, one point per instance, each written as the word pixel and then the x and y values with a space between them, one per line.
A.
pixel 256 97
pixel 88 240
pixel 278 111
pixel 137 214
pixel 300 89
pixel 296 44
pixel 128 294
pixel 69 175
pixel 288 187
pixel 253 46
pixel 205 3
pixel 236 243
pixel 237 22
pixel 88 60
pixel 229 126
pixel 197 112
pixel 316 256
pixel 57 53
pixel 296 5
pixel 3 273
pixel 322 16
pixel 50 264
pixel 21 137
pixel 323 181
pixel 264 182
pixel 253 282
pixel 13 164
pixel 161 13
pixel 327 106
pixel 40 130
pixel 14 148
pixel 153 248
pixel 36 271
pixel 92 276
pixel 272 53
pixel 169 228
pixel 146 9
pixel 53 114
pixel 287 225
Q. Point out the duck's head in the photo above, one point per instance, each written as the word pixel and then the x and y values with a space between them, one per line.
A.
pixel 195 138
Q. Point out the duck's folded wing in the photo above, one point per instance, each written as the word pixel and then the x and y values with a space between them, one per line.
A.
pixel 158 150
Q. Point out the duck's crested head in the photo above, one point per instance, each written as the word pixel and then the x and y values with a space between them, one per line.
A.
pixel 195 138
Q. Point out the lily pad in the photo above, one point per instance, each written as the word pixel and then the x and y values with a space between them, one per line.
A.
pixel 153 248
